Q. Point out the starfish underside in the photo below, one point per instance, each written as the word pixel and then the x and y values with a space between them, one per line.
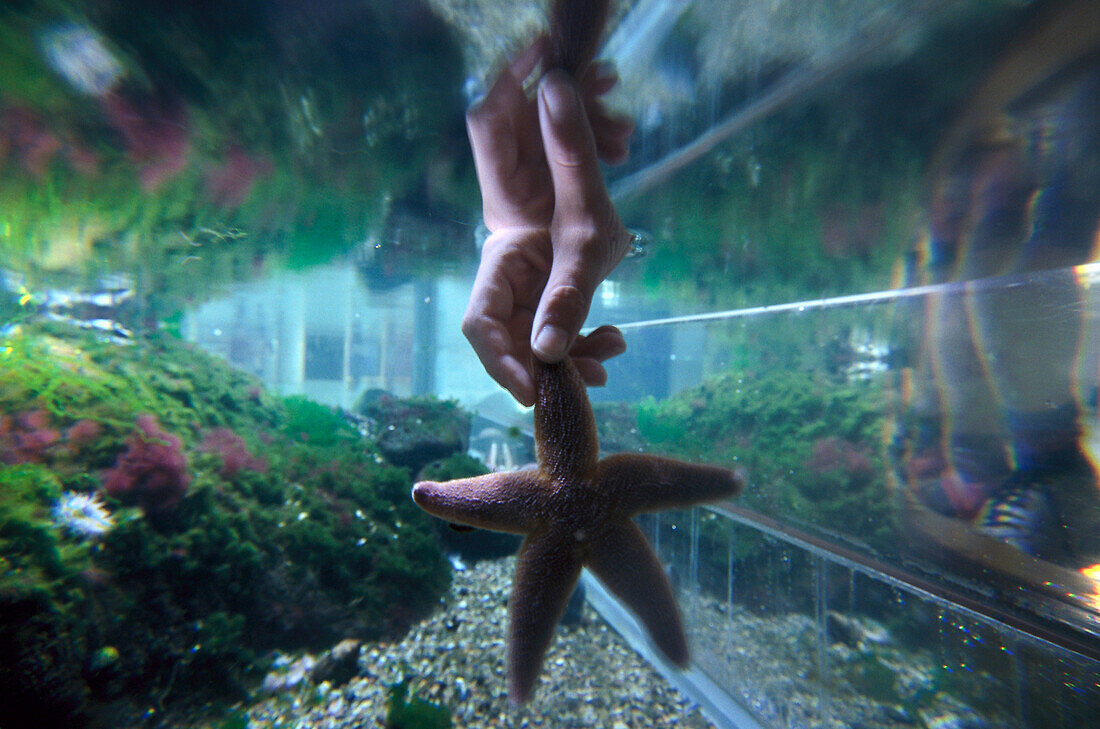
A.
pixel 576 511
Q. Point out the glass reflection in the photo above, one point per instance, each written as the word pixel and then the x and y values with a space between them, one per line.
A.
pixel 997 436
pixel 802 639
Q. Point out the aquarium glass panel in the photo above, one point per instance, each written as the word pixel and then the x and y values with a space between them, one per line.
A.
pixel 237 244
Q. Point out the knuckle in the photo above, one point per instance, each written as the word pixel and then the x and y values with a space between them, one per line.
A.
pixel 590 242
pixel 570 300
pixel 473 325
pixel 475 117
pixel 482 122
pixel 569 158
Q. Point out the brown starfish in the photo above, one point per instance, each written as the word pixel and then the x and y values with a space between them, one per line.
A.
pixel 576 512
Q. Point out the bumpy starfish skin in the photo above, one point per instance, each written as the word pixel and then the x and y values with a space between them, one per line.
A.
pixel 575 511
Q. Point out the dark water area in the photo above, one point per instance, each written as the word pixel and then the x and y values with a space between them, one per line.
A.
pixel 236 242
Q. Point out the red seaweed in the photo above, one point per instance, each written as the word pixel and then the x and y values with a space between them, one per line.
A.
pixel 152 472
pixel 233 451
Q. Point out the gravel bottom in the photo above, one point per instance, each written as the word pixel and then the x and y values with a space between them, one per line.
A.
pixel 455 658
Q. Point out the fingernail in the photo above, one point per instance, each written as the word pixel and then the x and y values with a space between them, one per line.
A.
pixel 550 342
pixel 559 96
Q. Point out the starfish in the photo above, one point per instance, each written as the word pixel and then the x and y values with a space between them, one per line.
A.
pixel 576 511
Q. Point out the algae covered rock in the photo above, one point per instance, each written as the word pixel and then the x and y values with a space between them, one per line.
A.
pixel 266 540
pixel 41 685
pixel 413 432
pixel 812 444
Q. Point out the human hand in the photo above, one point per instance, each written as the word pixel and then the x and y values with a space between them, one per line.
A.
pixel 512 171
pixel 556 234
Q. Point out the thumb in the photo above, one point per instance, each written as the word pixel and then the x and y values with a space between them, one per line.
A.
pixel 563 306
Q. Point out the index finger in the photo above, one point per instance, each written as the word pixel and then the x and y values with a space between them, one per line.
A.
pixel 569 143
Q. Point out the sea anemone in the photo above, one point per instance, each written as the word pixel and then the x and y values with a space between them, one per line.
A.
pixel 82 514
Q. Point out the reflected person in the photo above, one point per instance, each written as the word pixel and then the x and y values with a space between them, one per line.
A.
pixel 554 233
pixel 999 438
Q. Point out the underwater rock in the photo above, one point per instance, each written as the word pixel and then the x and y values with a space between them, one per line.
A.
pixel 617 424
pixel 898 713
pixel 288 673
pixel 323 546
pixel 952 718
pixel 413 432
pixel 339 665
pixel 854 631
pixel 334 667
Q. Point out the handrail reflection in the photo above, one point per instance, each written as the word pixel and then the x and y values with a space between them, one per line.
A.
pixel 1085 274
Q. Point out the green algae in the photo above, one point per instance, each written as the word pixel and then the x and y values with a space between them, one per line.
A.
pixel 413 712
pixel 30 547
pixel 314 423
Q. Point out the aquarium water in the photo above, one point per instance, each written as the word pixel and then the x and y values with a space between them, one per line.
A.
pixel 237 240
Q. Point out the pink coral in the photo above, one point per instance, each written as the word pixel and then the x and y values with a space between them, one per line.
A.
pixel 152 472
pixel 34 144
pixel 233 451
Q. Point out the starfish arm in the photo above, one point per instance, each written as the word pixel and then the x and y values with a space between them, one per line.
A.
pixel 625 563
pixel 503 502
pixel 565 429
pixel 645 483
pixel 546 573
